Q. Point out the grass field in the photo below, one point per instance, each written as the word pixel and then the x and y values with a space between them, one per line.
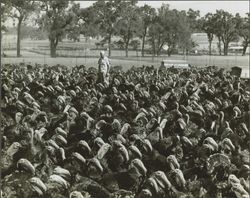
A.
pixel 72 54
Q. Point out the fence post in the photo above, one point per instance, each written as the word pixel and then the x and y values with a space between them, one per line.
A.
pixel 85 55
pixel 44 58
pixel 236 57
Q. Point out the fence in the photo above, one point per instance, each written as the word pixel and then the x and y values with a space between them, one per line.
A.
pixel 80 53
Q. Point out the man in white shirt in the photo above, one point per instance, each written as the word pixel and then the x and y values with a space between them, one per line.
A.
pixel 104 67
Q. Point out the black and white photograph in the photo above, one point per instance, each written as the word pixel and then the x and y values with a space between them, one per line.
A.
pixel 125 99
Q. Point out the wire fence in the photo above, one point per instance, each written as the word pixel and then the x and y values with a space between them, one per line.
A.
pixel 78 54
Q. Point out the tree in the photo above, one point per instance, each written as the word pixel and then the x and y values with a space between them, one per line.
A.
pixel 37 34
pixel 217 27
pixel 29 32
pixel 171 28
pixel 21 10
pixel 74 27
pixel 84 24
pixel 128 24
pixel 184 29
pixel 244 32
pixel 88 23
pixel 57 18
pixel 120 44
pixel 107 14
pixel 229 29
pixel 159 31
pixel 155 33
pixel 193 16
pixel 135 44
pixel 5 12
pixel 147 14
pixel 74 34
pixel 207 25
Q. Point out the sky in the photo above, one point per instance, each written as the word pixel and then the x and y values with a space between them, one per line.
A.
pixel 241 7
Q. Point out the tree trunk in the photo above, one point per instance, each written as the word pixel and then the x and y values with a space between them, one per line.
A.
pixel 109 45
pixel 219 45
pixel 225 49
pixel 153 46
pixel 126 52
pixel 244 48
pixel 1 35
pixel 158 51
pixel 169 52
pixel 159 48
pixel 126 49
pixel 143 44
pixel 18 47
pixel 210 39
pixel 53 45
pixel 210 47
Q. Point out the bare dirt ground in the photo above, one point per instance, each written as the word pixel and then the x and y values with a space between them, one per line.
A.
pixel 71 54
pixel 126 62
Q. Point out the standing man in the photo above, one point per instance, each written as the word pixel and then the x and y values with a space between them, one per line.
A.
pixel 104 67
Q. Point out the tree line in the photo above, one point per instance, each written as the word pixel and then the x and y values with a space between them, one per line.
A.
pixel 162 29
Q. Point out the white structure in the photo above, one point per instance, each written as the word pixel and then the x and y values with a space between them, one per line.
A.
pixel 181 64
pixel 245 73
pixel 202 44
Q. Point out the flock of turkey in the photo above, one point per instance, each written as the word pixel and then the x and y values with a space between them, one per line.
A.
pixel 148 133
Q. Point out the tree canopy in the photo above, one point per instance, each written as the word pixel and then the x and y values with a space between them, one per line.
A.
pixel 160 30
pixel 57 18
pixel 19 10
pixel 128 24
pixel 107 15
pixel 244 32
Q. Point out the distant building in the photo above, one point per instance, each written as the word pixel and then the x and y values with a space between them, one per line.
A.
pixel 202 42
pixel 238 49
